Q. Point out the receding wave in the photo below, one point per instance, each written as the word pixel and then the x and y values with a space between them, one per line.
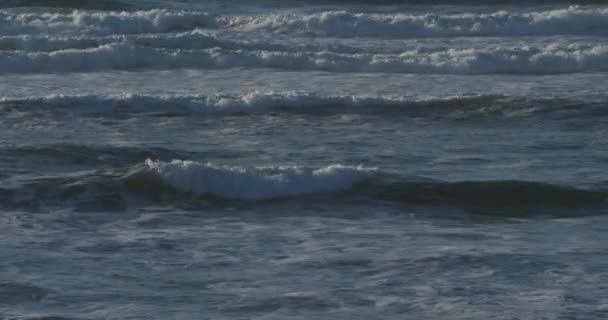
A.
pixel 175 182
pixel 551 59
pixel 457 107
pixel 572 20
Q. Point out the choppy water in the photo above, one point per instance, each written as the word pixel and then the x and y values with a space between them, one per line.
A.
pixel 303 160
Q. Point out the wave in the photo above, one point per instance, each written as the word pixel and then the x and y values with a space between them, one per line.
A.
pixel 48 44
pixel 104 23
pixel 457 107
pixel 259 102
pixel 218 4
pixel 195 183
pixel 205 179
pixel 179 181
pixel 574 20
pixel 191 40
pixel 253 184
pixel 550 59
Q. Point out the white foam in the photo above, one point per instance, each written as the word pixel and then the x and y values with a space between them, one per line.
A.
pixel 255 183
pixel 550 59
pixel 573 20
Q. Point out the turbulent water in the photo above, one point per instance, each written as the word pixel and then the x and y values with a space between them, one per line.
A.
pixel 303 160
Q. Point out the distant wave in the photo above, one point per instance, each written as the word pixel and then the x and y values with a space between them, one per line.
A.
pixel 49 43
pixel 569 21
pixel 135 4
pixel 550 59
pixel 574 20
pixel 71 4
pixel 104 23
pixel 259 102
pixel 294 102
pixel 190 40
pixel 178 181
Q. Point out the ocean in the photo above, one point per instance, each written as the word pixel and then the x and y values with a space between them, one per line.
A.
pixel 170 159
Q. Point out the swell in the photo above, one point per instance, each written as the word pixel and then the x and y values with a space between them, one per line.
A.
pixel 256 102
pixel 574 20
pixel 550 59
pixel 199 184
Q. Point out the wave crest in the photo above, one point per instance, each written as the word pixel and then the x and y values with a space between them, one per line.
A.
pixel 257 183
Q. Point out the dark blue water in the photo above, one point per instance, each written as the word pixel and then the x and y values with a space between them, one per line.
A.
pixel 303 160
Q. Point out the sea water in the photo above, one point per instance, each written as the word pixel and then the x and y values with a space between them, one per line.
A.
pixel 303 160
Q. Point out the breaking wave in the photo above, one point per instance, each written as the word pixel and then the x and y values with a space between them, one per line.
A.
pixel 572 20
pixel 254 184
pixel 104 23
pixel 253 102
pixel 190 40
pixel 551 59
pixel 457 107
pixel 256 102
pixel 175 182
